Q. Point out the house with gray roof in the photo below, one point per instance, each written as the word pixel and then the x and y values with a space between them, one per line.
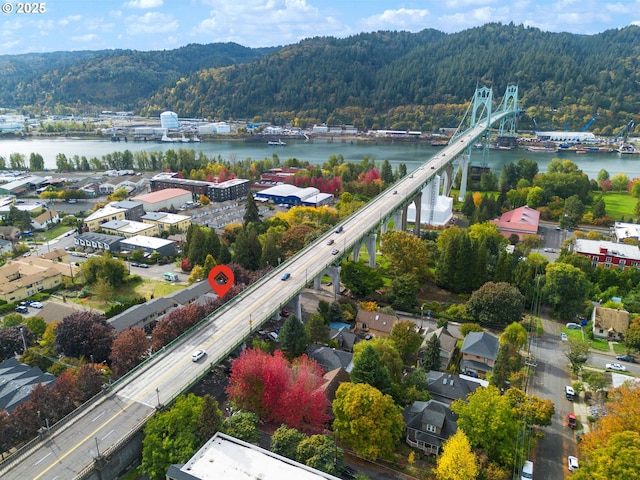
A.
pixel 133 210
pixel 330 358
pixel 447 345
pixel 479 353
pixel 98 241
pixel 16 382
pixel 346 339
pixel 446 387
pixel 142 315
pixel 429 425
pixel 192 293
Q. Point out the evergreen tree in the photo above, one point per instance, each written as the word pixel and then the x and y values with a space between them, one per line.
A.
pixel 248 251
pixel 317 329
pixel 271 251
pixel 386 172
pixel 251 213
pixel 431 360
pixel 209 420
pixel 293 337
pixel 367 368
pixel 225 254
pixel 599 208
pixel 335 313
pixel 468 207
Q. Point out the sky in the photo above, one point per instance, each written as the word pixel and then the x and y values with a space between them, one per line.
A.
pixel 66 25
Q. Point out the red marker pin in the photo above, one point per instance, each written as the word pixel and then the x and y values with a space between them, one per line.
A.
pixel 221 279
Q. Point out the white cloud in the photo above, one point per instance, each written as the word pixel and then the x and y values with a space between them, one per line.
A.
pixel 151 22
pixel 89 37
pixel 72 18
pixel 258 23
pixel 400 19
pixel 143 4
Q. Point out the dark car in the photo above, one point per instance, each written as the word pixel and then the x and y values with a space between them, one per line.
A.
pixel 348 472
pixel 626 358
pixel 22 309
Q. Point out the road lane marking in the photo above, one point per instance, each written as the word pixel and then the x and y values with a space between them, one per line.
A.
pixel 96 418
pixel 109 433
pixel 42 459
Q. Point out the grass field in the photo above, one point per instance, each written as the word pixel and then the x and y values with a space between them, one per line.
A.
pixel 619 205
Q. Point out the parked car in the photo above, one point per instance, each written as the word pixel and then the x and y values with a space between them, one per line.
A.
pixel 616 366
pixel 22 309
pixel 573 463
pixel 197 355
pixel 36 305
pixel 573 326
pixel 626 358
pixel 563 337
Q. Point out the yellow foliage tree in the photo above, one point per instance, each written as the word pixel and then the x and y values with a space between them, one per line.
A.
pixel 457 461
pixel 477 199
pixel 369 306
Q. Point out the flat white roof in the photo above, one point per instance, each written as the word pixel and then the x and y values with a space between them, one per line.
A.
pixel 592 247
pixel 626 230
pixel 103 212
pixel 144 241
pixel 225 457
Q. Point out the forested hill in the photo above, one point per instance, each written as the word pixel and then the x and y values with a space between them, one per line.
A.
pixel 398 80
pixel 418 81
pixel 107 79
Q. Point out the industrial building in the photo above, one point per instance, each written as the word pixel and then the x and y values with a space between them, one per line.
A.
pixel 167 199
pixel 291 195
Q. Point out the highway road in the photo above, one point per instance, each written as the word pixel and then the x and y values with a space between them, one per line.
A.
pixel 131 401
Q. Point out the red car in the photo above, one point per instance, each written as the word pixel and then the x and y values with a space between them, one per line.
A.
pixel 571 421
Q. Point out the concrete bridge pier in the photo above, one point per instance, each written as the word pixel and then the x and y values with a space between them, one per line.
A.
pixel 464 166
pixel 397 217
pixel 417 202
pixel 370 244
pixel 334 273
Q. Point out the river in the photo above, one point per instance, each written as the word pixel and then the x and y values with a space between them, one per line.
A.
pixel 316 152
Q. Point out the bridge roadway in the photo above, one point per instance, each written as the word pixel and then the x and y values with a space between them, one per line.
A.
pixel 73 446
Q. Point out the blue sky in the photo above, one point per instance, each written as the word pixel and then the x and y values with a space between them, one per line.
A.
pixel 168 24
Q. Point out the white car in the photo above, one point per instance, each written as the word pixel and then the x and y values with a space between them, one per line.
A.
pixel 197 355
pixel 616 366
pixel 573 463
pixel 563 337
pixel 36 305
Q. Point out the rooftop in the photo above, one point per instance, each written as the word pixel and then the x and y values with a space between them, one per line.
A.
pixel 595 247
pixel 144 241
pixel 160 195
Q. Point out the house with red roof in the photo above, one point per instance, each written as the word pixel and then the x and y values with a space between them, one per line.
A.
pixel 521 221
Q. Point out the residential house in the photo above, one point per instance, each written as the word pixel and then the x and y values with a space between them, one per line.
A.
pixel 447 387
pixel 142 315
pixel 330 358
pixel 332 381
pixel 133 210
pixel 609 323
pixel 376 324
pixel 45 220
pixel 129 228
pixel 56 255
pixel 10 233
pixel 479 353
pixel 126 182
pixel 169 222
pixel 608 254
pixel 23 277
pixel 193 293
pixel 429 425
pixel 345 338
pixel 447 345
pixel 98 241
pixel 105 214
pixel 16 382
pixel 6 246
pixel 520 221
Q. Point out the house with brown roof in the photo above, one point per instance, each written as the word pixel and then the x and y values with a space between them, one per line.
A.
pixel 45 220
pixel 376 324
pixel 447 345
pixel 521 221
pixel 332 381
pixel 23 277
pixel 609 323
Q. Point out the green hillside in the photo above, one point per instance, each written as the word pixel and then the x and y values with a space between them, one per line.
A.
pixel 396 80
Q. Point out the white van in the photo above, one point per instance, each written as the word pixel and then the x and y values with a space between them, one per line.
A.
pixel 569 393
pixel 527 471
pixel 171 277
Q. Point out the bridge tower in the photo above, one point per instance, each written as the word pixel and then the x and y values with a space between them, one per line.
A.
pixel 509 103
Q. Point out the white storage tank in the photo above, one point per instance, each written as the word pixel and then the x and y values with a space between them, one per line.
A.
pixel 169 119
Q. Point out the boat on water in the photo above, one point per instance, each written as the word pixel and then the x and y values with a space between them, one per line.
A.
pixel 539 148
pixel 195 139
pixel 184 139
pixel 278 143
pixel 626 149
pixel 167 139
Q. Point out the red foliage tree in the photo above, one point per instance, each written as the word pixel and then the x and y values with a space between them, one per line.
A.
pixel 278 392
pixel 85 334
pixel 177 322
pixel 185 265
pixel 129 349
pixel 89 381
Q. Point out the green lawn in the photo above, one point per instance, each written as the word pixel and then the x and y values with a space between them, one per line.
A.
pixel 619 204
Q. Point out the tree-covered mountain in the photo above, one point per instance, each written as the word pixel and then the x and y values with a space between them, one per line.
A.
pixel 398 80
pixel 421 81
pixel 108 79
